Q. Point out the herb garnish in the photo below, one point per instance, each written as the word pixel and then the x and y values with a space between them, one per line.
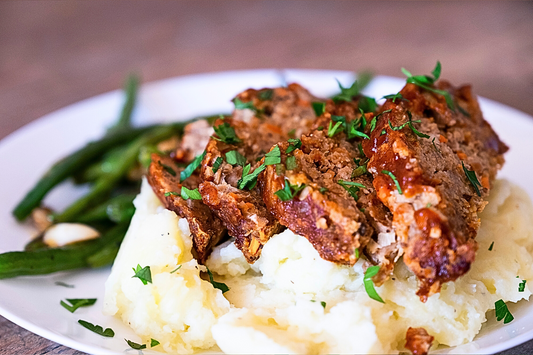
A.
pixel 522 286
pixel 190 194
pixel 347 94
pixel 233 157
pixel 361 151
pixel 226 133
pixel 319 107
pixel 491 246
pixel 320 128
pixel 395 97
pixel 369 284
pixel 154 342
pixel 426 81
pixel 143 273
pixel 192 167
pixel 502 312
pixel 435 146
pixel 323 189
pixel 291 163
pixel 168 169
pixel 293 145
pixel 289 191
pixel 351 187
pixel 367 104
pixel 265 94
pixel 171 193
pixel 239 105
pixel 273 157
pixel 394 179
pixel 292 132
pixel 332 130
pixel 221 286
pixel 76 303
pixel 134 345
pixel 360 170
pixel 249 180
pixel 356 251
pixel 108 332
pixel 216 165
pixel 176 269
pixel 471 176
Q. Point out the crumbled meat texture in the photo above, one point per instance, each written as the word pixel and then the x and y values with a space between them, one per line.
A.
pixel 206 229
pixel 277 114
pixel 195 137
pixel 436 216
pixel 325 213
pixel 418 341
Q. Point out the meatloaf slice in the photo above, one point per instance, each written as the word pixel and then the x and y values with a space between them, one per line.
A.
pixel 423 155
pixel 261 119
pixel 206 229
pixel 331 200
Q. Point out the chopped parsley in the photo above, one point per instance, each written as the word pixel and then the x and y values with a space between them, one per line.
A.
pixel 426 82
pixel 347 94
pixel 319 108
pixel 293 145
pixel 273 157
pixel 249 180
pixel 239 105
pixel 189 170
pixel 226 133
pixel 395 97
pixel 522 286
pixel 134 345
pixel 323 189
pixel 265 94
pixel 221 286
pixel 190 194
pixel 154 342
pixel 292 133
pixel 491 246
pixel 435 146
pixel 217 164
pixel 360 170
pixel 361 151
pixel 171 193
pixel 291 163
pixel 143 273
pixel 356 251
pixel 289 191
pixel 108 332
pixel 502 312
pixel 463 111
pixel 176 269
pixel 351 187
pixel 320 128
pixel 373 124
pixel 369 284
pixel 368 104
pixel 339 121
pixel 393 179
pixel 168 169
pixel 233 157
pixel 76 303
pixel 471 176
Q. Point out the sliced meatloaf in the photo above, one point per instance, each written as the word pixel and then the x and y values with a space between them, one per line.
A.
pixel 433 166
pixel 261 119
pixel 321 190
pixel 206 228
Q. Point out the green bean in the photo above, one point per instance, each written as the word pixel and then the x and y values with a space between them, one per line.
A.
pixel 96 170
pixel 46 261
pixel 71 164
pixel 117 209
pixel 131 86
pixel 103 186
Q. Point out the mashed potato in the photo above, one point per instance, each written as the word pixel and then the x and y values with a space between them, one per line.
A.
pixel 178 309
pixel 292 301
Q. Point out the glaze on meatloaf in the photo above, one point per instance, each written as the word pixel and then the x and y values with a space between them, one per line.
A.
pixel 261 119
pixel 420 172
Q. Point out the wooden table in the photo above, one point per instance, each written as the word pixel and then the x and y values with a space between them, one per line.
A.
pixel 55 53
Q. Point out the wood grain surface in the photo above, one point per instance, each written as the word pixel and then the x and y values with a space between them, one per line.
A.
pixel 54 53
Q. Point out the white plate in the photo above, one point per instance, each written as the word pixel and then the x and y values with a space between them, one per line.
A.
pixel 33 302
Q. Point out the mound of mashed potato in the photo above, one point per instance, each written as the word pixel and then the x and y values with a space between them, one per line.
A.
pixel 292 301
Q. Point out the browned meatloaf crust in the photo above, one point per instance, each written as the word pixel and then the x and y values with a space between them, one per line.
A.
pixel 436 215
pixel 261 119
pixel 333 220
pixel 206 229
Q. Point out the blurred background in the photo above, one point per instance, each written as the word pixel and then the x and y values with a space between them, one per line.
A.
pixel 54 53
